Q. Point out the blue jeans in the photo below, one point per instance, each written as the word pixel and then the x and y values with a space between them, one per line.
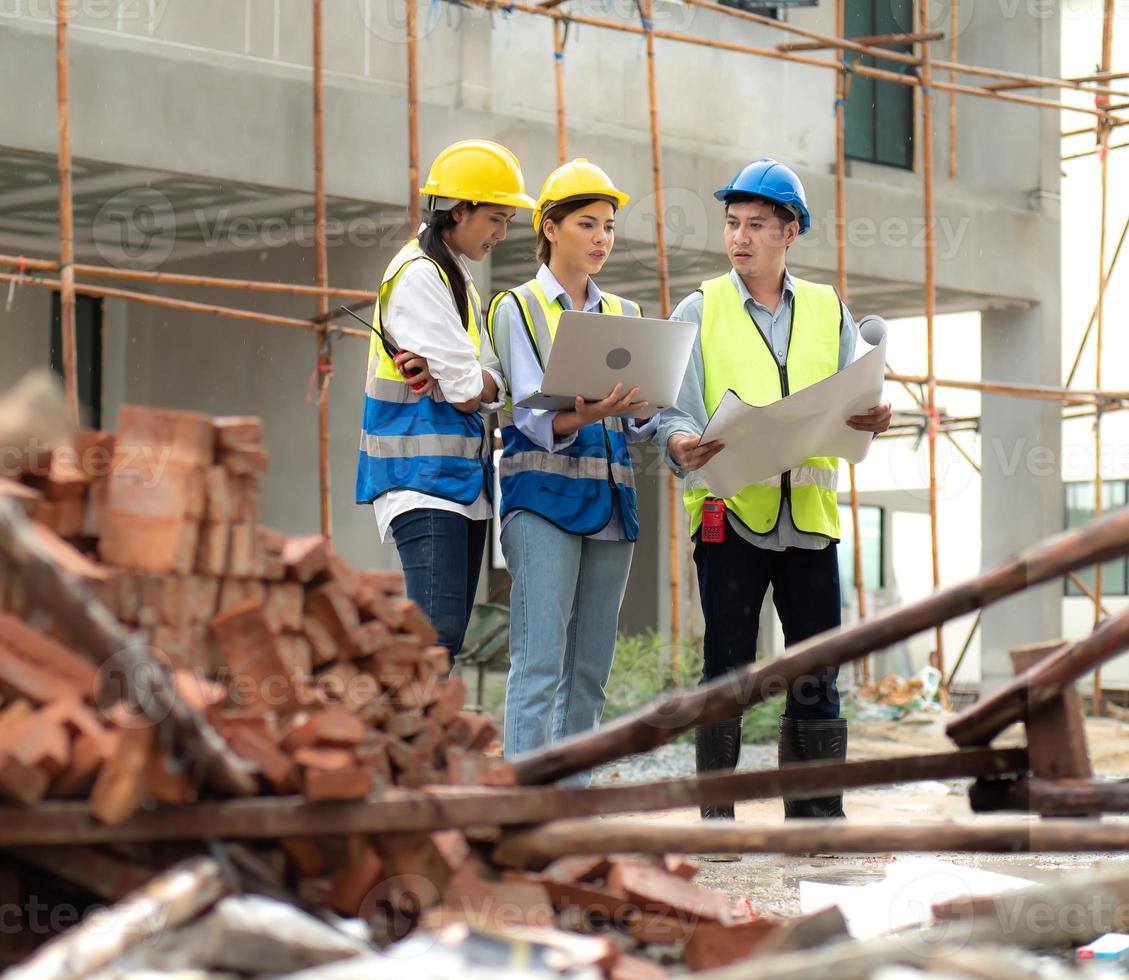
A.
pixel 734 576
pixel 441 553
pixel 564 615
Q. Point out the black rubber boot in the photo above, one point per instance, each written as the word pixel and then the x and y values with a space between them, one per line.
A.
pixel 806 741
pixel 717 748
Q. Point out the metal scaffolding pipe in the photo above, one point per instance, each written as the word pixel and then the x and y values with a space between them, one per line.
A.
pixel 66 213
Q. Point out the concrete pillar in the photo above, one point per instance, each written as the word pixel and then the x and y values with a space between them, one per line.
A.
pixel 1022 485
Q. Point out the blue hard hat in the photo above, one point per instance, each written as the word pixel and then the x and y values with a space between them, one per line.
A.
pixel 771 180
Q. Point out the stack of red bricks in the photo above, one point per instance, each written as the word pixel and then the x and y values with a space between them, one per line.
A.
pixel 324 676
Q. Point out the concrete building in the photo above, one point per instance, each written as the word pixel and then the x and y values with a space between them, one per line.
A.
pixel 191 133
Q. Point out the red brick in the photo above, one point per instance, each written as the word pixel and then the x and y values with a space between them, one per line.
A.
pixel 329 605
pixel 466 768
pixel 241 551
pixel 245 460
pixel 218 507
pixel 331 728
pixel 212 548
pixel 297 655
pixel 246 500
pixel 232 431
pixel 94 452
pixel 69 558
pixel 166 783
pixel 449 700
pixel 347 577
pixel 157 544
pixel 657 891
pixel 64 480
pixel 370 638
pixel 39 651
pixel 119 788
pixel 579 867
pixel 322 644
pixel 344 783
pixel 308 858
pixel 712 945
pixel 188 435
pixel 412 619
pixel 373 756
pixel 198 691
pixel 41 742
pixel 63 517
pixel 274 764
pixel 351 886
pixel 471 731
pixel 283 607
pixel 305 558
pixel 250 649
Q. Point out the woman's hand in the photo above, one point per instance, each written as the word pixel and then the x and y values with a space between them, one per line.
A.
pixel 615 403
pixel 690 453
pixel 415 371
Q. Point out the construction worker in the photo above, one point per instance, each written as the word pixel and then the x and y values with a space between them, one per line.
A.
pixel 569 514
pixel 425 460
pixel 764 333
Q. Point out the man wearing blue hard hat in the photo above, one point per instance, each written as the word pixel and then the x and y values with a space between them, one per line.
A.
pixel 764 333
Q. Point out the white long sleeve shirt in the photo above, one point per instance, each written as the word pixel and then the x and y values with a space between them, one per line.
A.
pixel 422 318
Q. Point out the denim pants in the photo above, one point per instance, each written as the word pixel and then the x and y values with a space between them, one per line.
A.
pixel 564 615
pixel 733 577
pixel 441 553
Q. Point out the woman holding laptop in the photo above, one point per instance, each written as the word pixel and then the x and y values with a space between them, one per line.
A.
pixel 424 461
pixel 569 514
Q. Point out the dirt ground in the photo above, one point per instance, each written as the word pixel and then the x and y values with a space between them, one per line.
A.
pixel 771 882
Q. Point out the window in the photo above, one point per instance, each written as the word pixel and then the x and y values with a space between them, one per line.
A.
pixel 879 117
pixel 88 340
pixel 870 530
pixel 1080 510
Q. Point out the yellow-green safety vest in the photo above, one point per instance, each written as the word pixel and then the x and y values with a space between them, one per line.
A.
pixel 736 355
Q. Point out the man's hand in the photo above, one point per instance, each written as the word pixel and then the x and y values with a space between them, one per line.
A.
pixel 686 451
pixel 876 420
pixel 616 403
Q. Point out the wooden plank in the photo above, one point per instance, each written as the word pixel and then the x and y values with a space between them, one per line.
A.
pixel 1056 733
pixel 442 807
pixel 535 847
pixel 1032 690
pixel 1065 797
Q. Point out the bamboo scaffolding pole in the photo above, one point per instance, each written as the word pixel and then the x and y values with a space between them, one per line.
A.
pixel 926 93
pixel 966 646
pixel 718 45
pixel 1099 323
pixel 412 51
pixel 665 718
pixel 1090 153
pixel 558 74
pixel 191 306
pixel 841 266
pixel 1070 396
pixel 66 213
pixel 1033 81
pixel 870 40
pixel 1089 130
pixel 1094 313
pixel 324 363
pixel 184 279
pixel 954 33
pixel 674 524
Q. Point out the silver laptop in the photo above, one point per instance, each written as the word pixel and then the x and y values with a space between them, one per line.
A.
pixel 593 352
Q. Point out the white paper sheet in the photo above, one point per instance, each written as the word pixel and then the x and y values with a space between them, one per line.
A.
pixel 906 895
pixel 763 442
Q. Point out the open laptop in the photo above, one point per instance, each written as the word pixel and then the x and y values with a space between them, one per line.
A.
pixel 593 352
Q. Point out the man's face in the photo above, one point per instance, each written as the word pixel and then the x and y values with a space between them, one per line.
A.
pixel 756 239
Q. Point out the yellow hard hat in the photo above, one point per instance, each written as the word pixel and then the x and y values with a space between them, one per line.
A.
pixel 577 178
pixel 479 171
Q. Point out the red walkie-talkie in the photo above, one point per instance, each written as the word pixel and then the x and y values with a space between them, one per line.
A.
pixel 713 521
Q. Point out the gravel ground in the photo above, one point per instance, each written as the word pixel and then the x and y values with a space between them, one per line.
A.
pixel 669 761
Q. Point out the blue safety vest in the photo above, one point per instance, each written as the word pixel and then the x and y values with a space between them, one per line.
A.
pixel 574 488
pixel 418 443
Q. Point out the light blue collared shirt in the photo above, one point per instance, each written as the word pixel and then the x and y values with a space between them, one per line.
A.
pixel 689 416
pixel 536 424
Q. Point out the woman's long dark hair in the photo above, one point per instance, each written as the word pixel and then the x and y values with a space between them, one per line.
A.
pixel 433 245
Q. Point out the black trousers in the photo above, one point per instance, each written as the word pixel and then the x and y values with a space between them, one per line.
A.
pixel 734 576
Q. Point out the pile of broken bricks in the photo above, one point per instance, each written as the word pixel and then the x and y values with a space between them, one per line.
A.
pixel 324 680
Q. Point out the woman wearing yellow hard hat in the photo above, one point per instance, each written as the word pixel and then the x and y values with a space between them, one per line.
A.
pixel 569 513
pixel 425 456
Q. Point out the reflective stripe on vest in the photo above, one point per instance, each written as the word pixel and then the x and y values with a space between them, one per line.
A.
pixel 736 355
pixel 572 488
pixel 409 442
